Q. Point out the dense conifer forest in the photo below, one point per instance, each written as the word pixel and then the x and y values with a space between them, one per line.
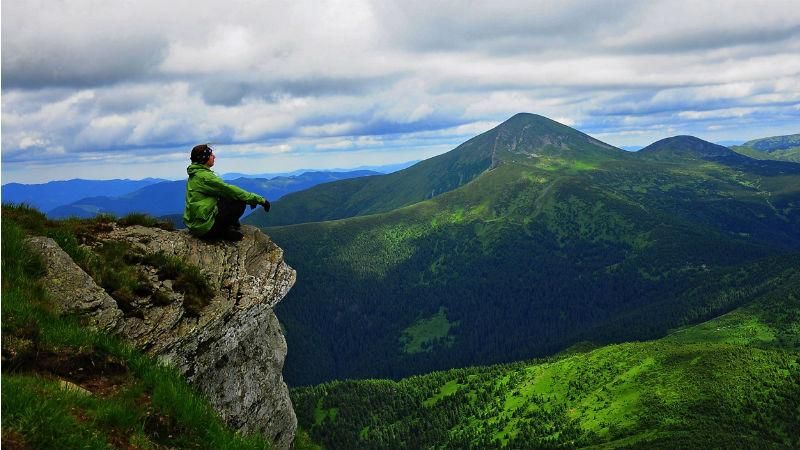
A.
pixel 732 382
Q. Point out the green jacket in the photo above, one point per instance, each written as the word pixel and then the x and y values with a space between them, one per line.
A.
pixel 202 191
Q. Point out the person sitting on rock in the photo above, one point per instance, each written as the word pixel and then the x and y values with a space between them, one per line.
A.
pixel 213 207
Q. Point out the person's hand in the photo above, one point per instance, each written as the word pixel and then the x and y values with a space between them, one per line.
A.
pixel 265 205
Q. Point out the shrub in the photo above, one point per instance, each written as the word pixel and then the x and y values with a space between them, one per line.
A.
pixel 197 293
pixel 24 263
pixel 161 298
pixel 145 220
pixel 25 217
pixel 168 267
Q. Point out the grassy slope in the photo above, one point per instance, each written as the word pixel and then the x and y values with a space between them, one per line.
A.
pixel 780 148
pixel 732 382
pixel 379 193
pixel 622 239
pixel 135 402
pixel 789 154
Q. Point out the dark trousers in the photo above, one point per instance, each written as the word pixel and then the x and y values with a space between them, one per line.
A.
pixel 228 213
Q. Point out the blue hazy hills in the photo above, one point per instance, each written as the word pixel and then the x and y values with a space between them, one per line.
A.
pixel 53 194
pixel 157 197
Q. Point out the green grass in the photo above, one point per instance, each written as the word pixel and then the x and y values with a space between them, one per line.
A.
pixel 733 328
pixel 425 333
pixel 41 413
pixel 771 322
pixel 322 414
pixel 153 405
pixel 449 388
pixel 188 280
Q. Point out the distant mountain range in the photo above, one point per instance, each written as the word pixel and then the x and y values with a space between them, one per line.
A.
pixel 521 242
pixel 167 197
pixel 79 197
pixel 158 197
pixel 385 168
pixel 47 196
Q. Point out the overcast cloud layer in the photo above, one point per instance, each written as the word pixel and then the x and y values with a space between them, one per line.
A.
pixel 103 89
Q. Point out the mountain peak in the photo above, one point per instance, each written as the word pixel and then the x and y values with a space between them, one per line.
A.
pixel 685 147
pixel 526 116
pixel 535 120
pixel 532 135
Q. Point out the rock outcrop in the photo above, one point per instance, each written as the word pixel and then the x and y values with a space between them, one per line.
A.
pixel 232 351
pixel 73 290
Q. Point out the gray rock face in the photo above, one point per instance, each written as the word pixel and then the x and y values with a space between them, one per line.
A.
pixel 73 290
pixel 233 351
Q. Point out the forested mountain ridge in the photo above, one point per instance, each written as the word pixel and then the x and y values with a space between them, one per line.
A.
pixel 685 148
pixel 782 148
pixel 731 382
pixel 774 143
pixel 522 136
pixel 554 244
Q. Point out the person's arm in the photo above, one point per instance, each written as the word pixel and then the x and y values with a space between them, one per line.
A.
pixel 214 186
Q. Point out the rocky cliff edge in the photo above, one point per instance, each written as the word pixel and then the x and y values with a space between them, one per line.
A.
pixel 232 351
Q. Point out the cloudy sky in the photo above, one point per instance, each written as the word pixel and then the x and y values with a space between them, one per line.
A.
pixel 123 89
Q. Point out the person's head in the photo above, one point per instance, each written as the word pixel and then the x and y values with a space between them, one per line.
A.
pixel 203 154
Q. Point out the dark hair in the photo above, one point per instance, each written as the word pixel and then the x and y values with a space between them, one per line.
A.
pixel 201 153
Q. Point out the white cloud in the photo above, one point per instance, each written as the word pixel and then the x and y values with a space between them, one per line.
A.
pixel 28 141
pixel 328 129
pixel 226 48
pixel 360 142
pixel 717 113
pixel 89 81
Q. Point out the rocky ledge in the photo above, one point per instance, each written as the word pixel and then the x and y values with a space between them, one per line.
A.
pixel 232 351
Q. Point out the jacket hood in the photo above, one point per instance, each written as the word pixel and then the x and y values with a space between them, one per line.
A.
pixel 194 168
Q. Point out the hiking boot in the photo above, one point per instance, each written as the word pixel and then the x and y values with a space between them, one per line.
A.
pixel 231 234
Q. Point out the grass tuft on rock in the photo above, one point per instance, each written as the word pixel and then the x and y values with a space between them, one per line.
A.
pixel 188 280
